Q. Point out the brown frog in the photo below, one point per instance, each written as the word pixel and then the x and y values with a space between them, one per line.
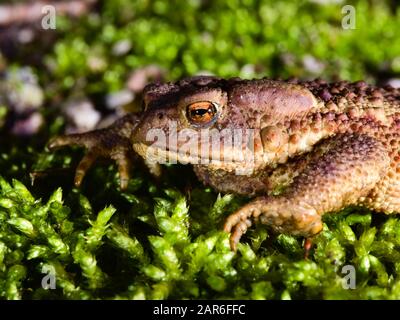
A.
pixel 305 148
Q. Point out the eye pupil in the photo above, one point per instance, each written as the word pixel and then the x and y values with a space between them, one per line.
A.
pixel 201 112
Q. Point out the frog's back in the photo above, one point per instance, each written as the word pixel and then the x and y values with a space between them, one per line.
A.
pixel 343 96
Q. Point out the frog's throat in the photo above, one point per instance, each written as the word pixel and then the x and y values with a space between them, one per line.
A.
pixel 159 155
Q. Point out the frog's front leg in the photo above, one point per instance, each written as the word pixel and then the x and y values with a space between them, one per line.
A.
pixel 113 142
pixel 343 174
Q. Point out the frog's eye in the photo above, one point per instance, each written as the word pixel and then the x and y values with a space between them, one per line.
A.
pixel 202 112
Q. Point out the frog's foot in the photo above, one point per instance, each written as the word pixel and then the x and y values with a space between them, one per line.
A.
pixel 348 169
pixel 99 143
pixel 112 142
pixel 296 219
pixel 238 223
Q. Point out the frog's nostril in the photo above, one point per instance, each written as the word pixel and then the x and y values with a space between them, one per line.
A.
pixel 160 115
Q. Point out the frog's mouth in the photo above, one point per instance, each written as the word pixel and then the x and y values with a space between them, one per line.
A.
pixel 229 159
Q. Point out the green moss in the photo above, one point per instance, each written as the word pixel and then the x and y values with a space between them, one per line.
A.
pixel 156 240
pixel 113 256
pixel 235 38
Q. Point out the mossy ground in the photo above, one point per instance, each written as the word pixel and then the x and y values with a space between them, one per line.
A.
pixel 162 239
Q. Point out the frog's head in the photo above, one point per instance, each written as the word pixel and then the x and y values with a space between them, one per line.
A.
pixel 228 124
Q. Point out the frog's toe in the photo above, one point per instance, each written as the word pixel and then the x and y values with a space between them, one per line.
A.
pixel 249 210
pixel 90 140
pixel 307 247
pixel 124 165
pixel 83 166
pixel 61 141
pixel 238 230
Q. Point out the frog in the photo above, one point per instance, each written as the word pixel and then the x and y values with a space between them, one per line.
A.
pixel 306 147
